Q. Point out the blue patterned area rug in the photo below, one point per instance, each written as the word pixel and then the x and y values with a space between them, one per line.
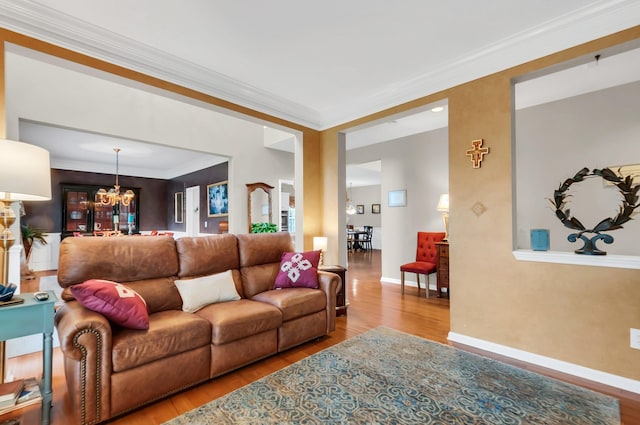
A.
pixel 387 377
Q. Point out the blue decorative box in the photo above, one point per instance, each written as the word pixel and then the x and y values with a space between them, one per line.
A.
pixel 540 239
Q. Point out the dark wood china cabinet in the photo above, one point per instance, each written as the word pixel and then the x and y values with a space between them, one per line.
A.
pixel 83 213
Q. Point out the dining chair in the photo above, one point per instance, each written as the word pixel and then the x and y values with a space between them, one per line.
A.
pixel 350 238
pixel 367 238
pixel 426 257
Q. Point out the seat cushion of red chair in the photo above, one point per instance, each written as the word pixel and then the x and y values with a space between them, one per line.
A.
pixel 421 267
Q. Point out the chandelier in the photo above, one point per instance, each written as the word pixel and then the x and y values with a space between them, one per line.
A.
pixel 113 196
pixel 351 209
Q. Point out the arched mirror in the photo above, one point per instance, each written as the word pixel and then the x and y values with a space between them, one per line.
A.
pixel 259 206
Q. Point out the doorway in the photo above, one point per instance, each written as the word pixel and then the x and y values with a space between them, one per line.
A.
pixel 192 211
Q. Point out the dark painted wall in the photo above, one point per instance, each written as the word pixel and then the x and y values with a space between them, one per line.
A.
pixel 156 198
pixel 200 178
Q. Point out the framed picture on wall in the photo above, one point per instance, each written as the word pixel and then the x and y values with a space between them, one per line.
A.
pixel 375 208
pixel 178 207
pixel 360 209
pixel 397 198
pixel 218 199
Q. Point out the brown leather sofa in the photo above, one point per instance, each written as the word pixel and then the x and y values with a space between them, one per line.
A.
pixel 111 370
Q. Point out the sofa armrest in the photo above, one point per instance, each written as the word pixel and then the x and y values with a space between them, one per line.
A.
pixel 330 283
pixel 86 342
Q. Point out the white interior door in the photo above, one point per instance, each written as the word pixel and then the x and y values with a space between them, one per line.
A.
pixel 192 211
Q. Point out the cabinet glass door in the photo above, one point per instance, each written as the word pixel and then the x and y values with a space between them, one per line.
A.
pixel 76 211
pixel 102 216
pixel 82 212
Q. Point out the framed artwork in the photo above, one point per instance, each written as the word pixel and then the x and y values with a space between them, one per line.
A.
pixel 375 208
pixel 178 207
pixel 397 198
pixel 218 199
pixel 360 209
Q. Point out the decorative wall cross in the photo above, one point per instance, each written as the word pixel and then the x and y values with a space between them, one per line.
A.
pixel 477 153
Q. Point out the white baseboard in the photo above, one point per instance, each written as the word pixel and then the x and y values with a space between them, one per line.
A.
pixel 432 285
pixel 549 363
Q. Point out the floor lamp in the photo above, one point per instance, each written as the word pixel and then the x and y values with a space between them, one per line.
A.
pixel 25 175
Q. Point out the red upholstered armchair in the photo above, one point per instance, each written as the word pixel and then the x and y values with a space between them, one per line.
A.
pixel 426 254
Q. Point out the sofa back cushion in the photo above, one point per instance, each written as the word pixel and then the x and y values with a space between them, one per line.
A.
pixel 260 255
pixel 206 255
pixel 146 264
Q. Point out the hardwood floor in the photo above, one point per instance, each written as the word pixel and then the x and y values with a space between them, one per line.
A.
pixel 371 304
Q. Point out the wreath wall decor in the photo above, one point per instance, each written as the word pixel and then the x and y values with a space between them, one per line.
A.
pixel 627 209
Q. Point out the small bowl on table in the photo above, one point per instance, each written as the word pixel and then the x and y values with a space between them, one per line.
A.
pixel 6 292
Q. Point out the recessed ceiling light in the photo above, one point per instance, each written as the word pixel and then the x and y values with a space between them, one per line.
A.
pixel 437 109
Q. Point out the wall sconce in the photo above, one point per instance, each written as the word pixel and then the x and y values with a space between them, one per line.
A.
pixel 320 244
pixel 443 207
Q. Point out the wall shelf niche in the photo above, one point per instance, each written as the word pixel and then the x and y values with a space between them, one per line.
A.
pixel 560 257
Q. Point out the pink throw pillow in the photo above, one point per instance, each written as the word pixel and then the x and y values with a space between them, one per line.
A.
pixel 298 269
pixel 118 303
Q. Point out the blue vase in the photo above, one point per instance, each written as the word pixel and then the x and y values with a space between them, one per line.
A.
pixel 540 239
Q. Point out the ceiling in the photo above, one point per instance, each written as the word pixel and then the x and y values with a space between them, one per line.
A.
pixel 320 64
pixel 94 152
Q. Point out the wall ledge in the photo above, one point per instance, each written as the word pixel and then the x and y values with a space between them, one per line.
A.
pixel 561 257
pixel 548 362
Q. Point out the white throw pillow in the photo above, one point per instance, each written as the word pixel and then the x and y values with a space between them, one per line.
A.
pixel 202 291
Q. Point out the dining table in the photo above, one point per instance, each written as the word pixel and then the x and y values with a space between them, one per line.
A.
pixel 353 235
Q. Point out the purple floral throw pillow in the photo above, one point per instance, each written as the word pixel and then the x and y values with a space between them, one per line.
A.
pixel 298 270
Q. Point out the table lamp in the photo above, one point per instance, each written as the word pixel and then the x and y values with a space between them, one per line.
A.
pixel 320 244
pixel 25 175
pixel 443 207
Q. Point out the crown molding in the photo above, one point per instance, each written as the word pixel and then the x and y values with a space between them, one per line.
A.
pixel 588 23
pixel 47 24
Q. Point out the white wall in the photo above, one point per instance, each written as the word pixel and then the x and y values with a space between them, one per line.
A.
pixel 367 195
pixel 45 257
pixel 556 140
pixel 53 94
pixel 419 164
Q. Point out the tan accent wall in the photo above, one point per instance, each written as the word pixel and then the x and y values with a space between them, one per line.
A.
pixel 313 187
pixel 577 314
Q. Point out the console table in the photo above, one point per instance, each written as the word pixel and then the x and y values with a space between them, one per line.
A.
pixel 442 267
pixel 28 318
pixel 341 301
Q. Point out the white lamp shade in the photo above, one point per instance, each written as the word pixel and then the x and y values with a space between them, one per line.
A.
pixel 319 243
pixel 25 173
pixel 443 203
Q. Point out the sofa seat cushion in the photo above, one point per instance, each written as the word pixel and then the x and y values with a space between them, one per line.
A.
pixel 294 302
pixel 170 332
pixel 233 320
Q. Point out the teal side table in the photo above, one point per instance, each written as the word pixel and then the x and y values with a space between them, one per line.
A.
pixel 28 318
